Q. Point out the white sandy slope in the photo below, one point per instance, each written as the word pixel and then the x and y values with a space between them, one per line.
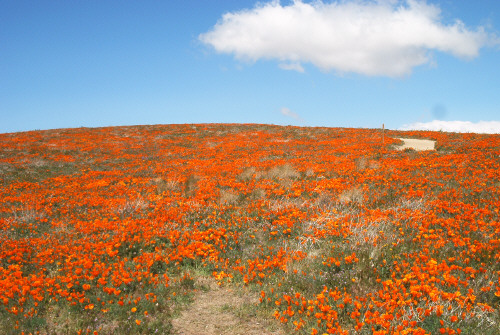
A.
pixel 419 145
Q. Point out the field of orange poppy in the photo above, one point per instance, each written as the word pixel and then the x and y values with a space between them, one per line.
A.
pixel 335 231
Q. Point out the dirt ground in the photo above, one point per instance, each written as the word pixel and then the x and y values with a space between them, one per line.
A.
pixel 223 311
pixel 419 145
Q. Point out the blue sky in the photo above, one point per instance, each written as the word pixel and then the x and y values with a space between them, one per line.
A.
pixel 108 63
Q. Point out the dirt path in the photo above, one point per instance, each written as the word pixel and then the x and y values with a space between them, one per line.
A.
pixel 223 311
pixel 417 144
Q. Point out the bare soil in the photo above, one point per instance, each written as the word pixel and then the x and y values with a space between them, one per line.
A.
pixel 417 144
pixel 222 311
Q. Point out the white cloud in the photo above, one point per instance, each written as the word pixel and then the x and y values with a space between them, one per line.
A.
pixel 292 66
pixel 484 127
pixel 384 37
pixel 287 112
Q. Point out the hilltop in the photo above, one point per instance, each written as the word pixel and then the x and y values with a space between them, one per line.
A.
pixel 297 229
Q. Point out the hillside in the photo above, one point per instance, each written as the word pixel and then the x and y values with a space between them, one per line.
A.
pixel 322 230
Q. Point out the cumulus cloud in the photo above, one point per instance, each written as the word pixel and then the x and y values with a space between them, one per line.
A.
pixel 375 38
pixel 292 66
pixel 484 127
pixel 287 112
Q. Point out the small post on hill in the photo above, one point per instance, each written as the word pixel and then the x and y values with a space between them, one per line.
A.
pixel 383 139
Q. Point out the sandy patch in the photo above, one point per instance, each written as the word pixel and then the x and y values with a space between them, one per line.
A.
pixel 223 311
pixel 419 145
